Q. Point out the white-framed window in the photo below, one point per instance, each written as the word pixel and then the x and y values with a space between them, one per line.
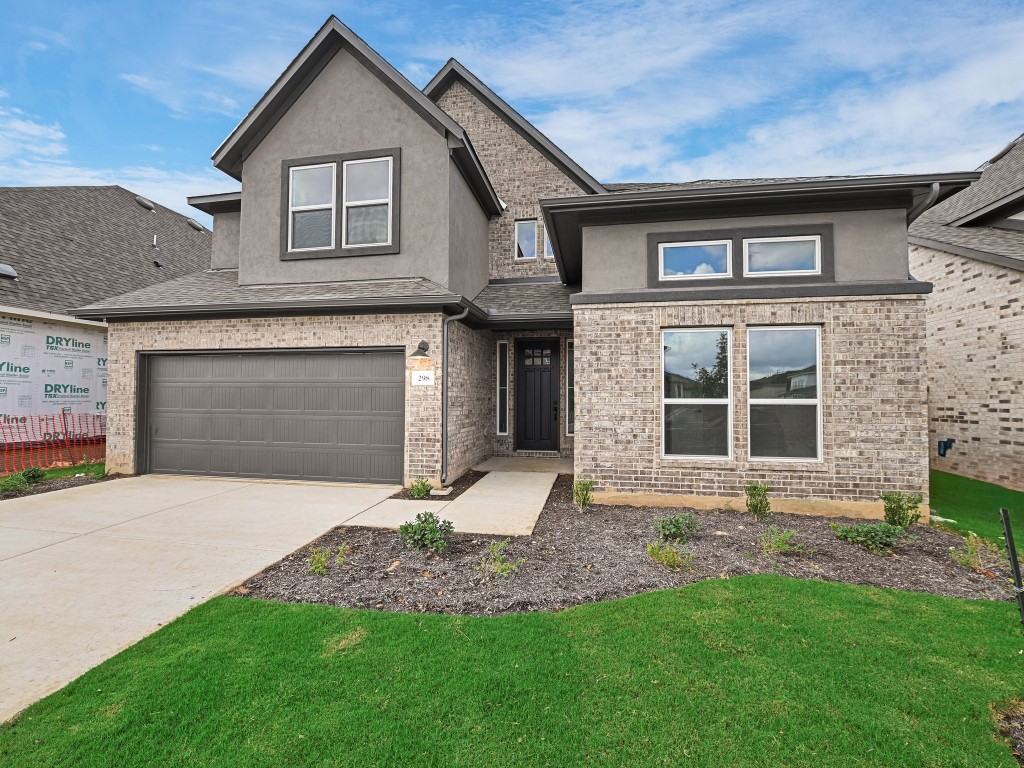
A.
pixel 549 252
pixel 366 202
pixel 526 240
pixel 784 407
pixel 501 399
pixel 311 207
pixel 696 394
pixel 570 389
pixel 774 256
pixel 699 260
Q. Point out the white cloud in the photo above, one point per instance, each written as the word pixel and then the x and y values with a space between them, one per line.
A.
pixel 182 100
pixel 704 269
pixel 21 135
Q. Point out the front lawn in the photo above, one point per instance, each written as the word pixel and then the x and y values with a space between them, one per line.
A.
pixel 760 670
pixel 974 505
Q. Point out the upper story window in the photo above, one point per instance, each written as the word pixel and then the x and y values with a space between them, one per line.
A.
pixel 771 256
pixel 695 261
pixel 367 196
pixel 526 240
pixel 549 252
pixel 311 207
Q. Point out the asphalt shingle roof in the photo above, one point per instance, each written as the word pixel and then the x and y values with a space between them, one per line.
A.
pixel 76 245
pixel 659 186
pixel 525 298
pixel 1002 177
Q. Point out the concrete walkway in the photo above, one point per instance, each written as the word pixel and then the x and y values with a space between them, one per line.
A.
pixel 86 572
pixel 502 503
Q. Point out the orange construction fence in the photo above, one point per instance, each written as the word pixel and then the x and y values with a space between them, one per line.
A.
pixel 52 440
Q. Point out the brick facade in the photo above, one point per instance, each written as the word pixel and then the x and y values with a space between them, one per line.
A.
pixel 471 422
pixel 422 404
pixel 975 365
pixel 872 399
pixel 520 174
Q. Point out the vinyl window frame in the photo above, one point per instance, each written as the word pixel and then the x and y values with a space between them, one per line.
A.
pixel 332 206
pixel 548 246
pixel 795 402
pixel 781 272
pixel 346 205
pixel 570 385
pixel 501 353
pixel 515 241
pixel 695 243
pixel 728 401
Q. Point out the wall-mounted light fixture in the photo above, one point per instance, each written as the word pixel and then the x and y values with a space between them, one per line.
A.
pixel 946 445
pixel 421 350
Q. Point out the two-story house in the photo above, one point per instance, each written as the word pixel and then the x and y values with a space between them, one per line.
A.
pixel 411 281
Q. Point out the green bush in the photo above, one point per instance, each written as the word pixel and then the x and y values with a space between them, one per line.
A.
pixel 33 475
pixel 677 527
pixel 420 488
pixel 757 500
pixel 877 538
pixel 318 560
pixel 339 559
pixel 496 563
pixel 775 541
pixel 582 493
pixel 13 485
pixel 427 531
pixel 902 509
pixel 669 554
pixel 980 554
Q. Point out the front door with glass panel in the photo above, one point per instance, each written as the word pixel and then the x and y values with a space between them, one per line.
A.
pixel 536 386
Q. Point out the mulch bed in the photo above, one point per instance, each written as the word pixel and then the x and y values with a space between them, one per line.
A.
pixel 459 487
pixel 600 554
pixel 57 484
pixel 1011 726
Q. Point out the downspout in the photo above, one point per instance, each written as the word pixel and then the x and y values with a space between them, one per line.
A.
pixel 924 205
pixel 444 392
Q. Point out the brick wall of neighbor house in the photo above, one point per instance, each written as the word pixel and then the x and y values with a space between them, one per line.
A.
pixel 872 392
pixel 520 175
pixel 470 398
pixel 504 445
pixel 975 365
pixel 422 404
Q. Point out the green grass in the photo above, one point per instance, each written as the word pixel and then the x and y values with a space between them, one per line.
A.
pixel 975 505
pixel 760 670
pixel 53 474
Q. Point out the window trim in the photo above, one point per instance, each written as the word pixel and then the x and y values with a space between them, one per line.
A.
pixel 332 206
pixel 782 272
pixel 345 204
pixel 816 402
pixel 694 243
pixel 729 401
pixel 570 362
pixel 515 240
pixel 498 387
pixel 547 245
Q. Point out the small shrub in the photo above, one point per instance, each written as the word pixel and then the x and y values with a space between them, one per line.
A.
pixel 775 541
pixel 318 560
pixel 902 509
pixel 14 485
pixel 669 554
pixel 757 500
pixel 33 475
pixel 677 527
pixel 339 558
pixel 980 554
pixel 427 531
pixel 877 538
pixel 496 563
pixel 420 488
pixel 583 493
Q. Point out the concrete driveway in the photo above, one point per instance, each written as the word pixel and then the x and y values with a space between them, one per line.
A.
pixel 86 572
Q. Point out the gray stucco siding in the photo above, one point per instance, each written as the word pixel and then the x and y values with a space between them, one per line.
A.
pixel 225 240
pixel 468 229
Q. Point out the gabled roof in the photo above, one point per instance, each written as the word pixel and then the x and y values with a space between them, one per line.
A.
pixel 332 37
pixel 963 223
pixel 453 70
pixel 76 245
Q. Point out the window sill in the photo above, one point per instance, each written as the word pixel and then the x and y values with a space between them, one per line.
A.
pixel 341 253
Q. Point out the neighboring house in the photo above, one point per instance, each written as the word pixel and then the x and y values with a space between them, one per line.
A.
pixel 62 247
pixel 412 281
pixel 971 247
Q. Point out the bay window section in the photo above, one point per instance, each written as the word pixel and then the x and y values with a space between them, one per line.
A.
pixel 696 393
pixel 785 405
pixel 311 207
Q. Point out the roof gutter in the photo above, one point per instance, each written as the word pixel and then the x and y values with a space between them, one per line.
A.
pixel 925 204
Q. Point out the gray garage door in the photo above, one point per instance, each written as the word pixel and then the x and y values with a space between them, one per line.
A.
pixel 301 416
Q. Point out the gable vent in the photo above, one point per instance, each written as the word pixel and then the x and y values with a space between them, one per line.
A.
pixel 147 204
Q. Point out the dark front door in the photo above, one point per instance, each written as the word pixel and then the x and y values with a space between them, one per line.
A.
pixel 536 386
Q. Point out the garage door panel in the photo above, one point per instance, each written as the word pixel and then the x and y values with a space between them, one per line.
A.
pixel 315 416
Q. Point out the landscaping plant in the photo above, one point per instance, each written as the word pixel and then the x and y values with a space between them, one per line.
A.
pixel 427 531
pixel 677 527
pixel 339 559
pixel 496 563
pixel 669 554
pixel 877 538
pixel 33 475
pixel 14 485
pixel 420 488
pixel 775 541
pixel 582 493
pixel 318 560
pixel 980 555
pixel 757 500
pixel 902 509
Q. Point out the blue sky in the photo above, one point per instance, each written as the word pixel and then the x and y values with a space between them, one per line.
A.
pixel 140 94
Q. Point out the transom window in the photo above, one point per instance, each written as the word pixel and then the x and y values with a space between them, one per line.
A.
pixel 772 256
pixel 536 356
pixel 697 393
pixel 311 207
pixel 785 412
pixel 696 260
pixel 367 202
pixel 526 240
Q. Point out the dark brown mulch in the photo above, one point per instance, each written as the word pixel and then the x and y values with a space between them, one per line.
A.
pixel 1011 726
pixel 459 487
pixel 57 484
pixel 600 554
